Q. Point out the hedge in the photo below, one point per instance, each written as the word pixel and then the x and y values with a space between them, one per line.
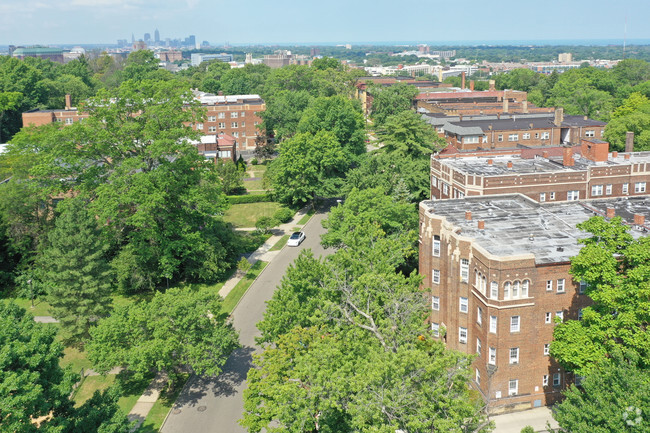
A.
pixel 249 198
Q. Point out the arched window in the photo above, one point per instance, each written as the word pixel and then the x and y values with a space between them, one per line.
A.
pixel 476 279
pixel 515 289
pixel 494 290
pixel 524 288
pixel 506 290
pixel 483 285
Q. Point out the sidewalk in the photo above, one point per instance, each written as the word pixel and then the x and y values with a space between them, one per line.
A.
pixel 263 253
pixel 514 422
pixel 146 401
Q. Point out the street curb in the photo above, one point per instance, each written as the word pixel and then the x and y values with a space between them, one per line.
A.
pixel 252 282
pixel 189 379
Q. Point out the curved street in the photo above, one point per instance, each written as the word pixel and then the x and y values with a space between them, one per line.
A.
pixel 215 404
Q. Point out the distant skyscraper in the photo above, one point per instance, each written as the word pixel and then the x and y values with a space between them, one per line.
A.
pixel 156 36
pixel 192 40
pixel 132 38
pixel 147 37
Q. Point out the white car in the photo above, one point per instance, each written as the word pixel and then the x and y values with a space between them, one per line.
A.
pixel 296 239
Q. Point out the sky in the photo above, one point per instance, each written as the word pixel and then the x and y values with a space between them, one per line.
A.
pixel 48 22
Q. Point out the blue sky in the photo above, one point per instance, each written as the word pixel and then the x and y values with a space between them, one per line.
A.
pixel 24 22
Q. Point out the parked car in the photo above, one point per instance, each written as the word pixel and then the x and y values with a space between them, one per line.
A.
pixel 296 239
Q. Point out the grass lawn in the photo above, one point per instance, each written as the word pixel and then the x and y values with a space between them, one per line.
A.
pixel 92 384
pixel 247 214
pixel 41 308
pixel 306 218
pixel 242 286
pixel 161 408
pixel 253 185
pixel 279 244
pixel 75 358
pixel 256 170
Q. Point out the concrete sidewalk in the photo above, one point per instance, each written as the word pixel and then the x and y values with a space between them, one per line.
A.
pixel 514 422
pixel 146 401
pixel 263 253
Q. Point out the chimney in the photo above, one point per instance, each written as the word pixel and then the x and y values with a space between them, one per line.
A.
pixel 545 154
pixel 68 102
pixel 460 117
pixel 611 212
pixel 559 116
pixel 530 125
pixel 468 215
pixel 220 93
pixel 462 80
pixel 626 156
pixel 639 219
pixel 492 84
pixel 614 154
pixel 471 85
pixel 490 161
pixel 509 164
pixel 505 102
pixel 567 156
pixel 481 225
pixel 490 127
pixel 629 141
pixel 524 107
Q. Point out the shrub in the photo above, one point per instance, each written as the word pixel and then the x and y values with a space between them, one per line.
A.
pixel 243 265
pixel 264 223
pixel 249 198
pixel 254 161
pixel 283 215
pixel 528 429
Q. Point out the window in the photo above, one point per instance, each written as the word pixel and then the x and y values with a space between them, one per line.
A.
pixel 463 305
pixel 69 121
pixel 234 125
pixel 222 115
pixel 608 189
pixel 515 289
pixel 537 135
pixel 548 317
pixel 579 313
pixel 479 315
pixel 478 346
pixel 547 349
pixel 222 125
pixel 212 129
pixel 445 188
pixel 464 270
pixel 514 355
pixel 499 137
pixel 596 190
pixel 560 285
pixel 199 126
pixel 494 290
pixel 560 314
pixel 524 288
pixel 243 124
pixel 434 181
pixel 492 359
pixel 256 123
pixel 435 328
pixel 545 380
pixel 234 115
pixel 243 133
pixel 224 154
pixel 435 247
pixel 583 287
pixel 626 188
pixel 243 114
pixel 235 134
pixel 557 379
pixel 573 195
pixel 514 324
pixel 506 290
pixel 590 133
pixel 545 135
pixel 462 335
pixel 549 285
pixel 212 118
pixel 477 279
pixel 513 387
pixel 472 139
pixel 478 377
pixel 542 196
pixel 552 196
pixel 513 137
pixel 435 276
pixel 639 187
pixel 493 324
pixel 435 303
pixel 525 136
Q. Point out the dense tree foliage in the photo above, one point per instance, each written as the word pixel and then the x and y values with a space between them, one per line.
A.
pixel 388 101
pixel 616 269
pixel 175 329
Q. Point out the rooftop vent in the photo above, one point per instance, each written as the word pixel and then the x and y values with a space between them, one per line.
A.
pixel 531 237
pixel 560 249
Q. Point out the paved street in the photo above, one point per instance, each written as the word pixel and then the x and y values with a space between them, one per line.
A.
pixel 215 404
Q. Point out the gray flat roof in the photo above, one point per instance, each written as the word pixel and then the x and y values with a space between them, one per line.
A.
pixel 516 225
pixel 521 123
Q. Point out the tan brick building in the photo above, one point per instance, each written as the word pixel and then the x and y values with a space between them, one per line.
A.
pixel 497 269
pixel 544 174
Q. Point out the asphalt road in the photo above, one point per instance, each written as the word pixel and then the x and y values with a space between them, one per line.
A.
pixel 215 404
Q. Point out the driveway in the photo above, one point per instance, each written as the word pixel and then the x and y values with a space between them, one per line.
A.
pixel 215 404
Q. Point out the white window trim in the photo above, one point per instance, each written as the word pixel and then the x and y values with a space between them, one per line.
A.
pixel 462 339
pixel 493 324
pixel 515 324
pixel 435 303
pixel 561 285
pixel 513 359
pixel 463 304
pixel 513 390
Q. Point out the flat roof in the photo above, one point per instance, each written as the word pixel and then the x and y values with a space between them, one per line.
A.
pixel 468 127
pixel 478 165
pixel 516 225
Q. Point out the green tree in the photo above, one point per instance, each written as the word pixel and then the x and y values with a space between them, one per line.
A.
pixel 175 329
pixel 283 112
pixel 518 79
pixel 232 179
pixel 408 134
pixel 8 101
pixel 392 100
pixel 613 398
pixel 339 115
pixel 76 272
pixel 616 269
pixel 308 166
pixel 140 65
pixel 244 81
pixel 632 115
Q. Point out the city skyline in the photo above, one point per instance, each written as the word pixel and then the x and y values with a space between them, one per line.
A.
pixel 287 21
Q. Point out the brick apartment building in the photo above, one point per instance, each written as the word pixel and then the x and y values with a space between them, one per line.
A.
pixel 497 270
pixel 363 94
pixel 543 174
pixel 234 115
pixel 217 147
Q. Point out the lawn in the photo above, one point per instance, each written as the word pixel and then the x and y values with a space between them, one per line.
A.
pixel 161 408
pixel 41 308
pixel 75 359
pixel 256 170
pixel 247 214
pixel 242 286
pixel 280 244
pixel 131 390
pixel 306 218
pixel 253 185
pixel 92 384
